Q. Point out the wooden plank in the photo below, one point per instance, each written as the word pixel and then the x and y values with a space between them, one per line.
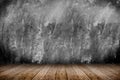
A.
pixel 13 74
pixel 96 71
pixel 7 67
pixel 61 73
pixel 42 73
pixel 33 73
pixel 80 73
pixel 115 67
pixel 7 74
pixel 1 65
pixel 107 71
pixel 50 75
pixel 89 73
pixel 71 74
pixel 112 69
pixel 23 75
pixel 115 72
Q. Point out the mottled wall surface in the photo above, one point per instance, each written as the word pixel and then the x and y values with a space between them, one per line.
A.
pixel 59 31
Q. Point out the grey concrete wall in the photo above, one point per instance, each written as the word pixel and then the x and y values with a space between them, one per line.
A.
pixel 59 31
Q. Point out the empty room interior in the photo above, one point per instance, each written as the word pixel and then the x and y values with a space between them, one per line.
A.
pixel 59 39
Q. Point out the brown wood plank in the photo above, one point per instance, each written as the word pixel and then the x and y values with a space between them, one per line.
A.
pixel 61 73
pixel 13 74
pixel 8 73
pixel 26 73
pixel 80 73
pixel 89 73
pixel 112 69
pixel 1 65
pixel 42 73
pixel 109 72
pixel 7 67
pixel 50 75
pixel 71 73
pixel 98 72
pixel 33 73
pixel 115 70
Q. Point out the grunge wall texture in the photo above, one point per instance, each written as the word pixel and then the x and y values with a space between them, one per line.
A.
pixel 59 31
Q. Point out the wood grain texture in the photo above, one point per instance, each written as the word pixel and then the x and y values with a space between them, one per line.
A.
pixel 60 72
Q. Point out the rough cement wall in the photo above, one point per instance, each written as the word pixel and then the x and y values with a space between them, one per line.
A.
pixel 59 31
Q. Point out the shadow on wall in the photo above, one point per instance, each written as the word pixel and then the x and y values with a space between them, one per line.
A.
pixel 3 5
pixel 5 55
pixel 8 56
pixel 117 60
pixel 111 59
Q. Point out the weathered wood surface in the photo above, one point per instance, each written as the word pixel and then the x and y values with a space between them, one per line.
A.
pixel 60 72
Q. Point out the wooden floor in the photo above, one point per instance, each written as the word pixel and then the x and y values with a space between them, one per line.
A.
pixel 60 72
